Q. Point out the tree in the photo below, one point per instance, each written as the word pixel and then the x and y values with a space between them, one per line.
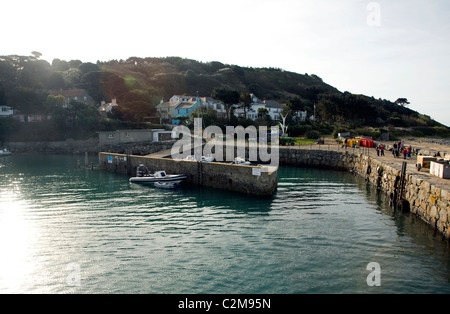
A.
pixel 3 98
pixel 262 113
pixel 54 102
pixel 295 105
pixel 245 102
pixel 402 102
pixel 55 81
pixel 36 54
pixel 228 96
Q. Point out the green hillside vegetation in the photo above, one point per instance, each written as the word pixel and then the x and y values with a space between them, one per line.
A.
pixel 139 84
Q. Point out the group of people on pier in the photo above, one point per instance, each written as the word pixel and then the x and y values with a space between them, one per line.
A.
pixel 398 148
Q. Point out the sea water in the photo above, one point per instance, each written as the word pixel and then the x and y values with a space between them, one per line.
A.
pixel 71 229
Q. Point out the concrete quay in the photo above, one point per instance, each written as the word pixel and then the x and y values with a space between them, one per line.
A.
pixel 253 180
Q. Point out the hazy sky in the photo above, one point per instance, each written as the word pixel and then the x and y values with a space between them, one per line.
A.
pixel 387 49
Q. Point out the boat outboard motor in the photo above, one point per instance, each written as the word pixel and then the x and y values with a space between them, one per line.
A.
pixel 141 171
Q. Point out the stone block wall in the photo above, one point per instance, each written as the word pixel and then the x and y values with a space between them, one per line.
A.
pixel 237 178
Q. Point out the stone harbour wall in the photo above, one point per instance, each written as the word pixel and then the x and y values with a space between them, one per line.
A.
pixel 428 201
pixel 240 178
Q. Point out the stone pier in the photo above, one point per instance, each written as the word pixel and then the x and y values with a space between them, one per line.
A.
pixel 254 180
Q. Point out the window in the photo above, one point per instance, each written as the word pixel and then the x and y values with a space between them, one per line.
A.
pixel 110 135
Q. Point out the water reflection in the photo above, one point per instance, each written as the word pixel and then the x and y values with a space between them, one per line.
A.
pixel 17 236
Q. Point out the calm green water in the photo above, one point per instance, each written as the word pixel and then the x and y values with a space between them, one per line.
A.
pixel 70 230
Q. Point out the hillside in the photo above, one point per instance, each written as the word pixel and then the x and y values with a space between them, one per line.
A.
pixel 175 75
pixel 139 84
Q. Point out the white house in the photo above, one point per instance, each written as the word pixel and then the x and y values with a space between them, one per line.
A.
pixel 301 115
pixel 6 111
pixel 106 108
pixel 171 109
pixel 213 104
pixel 274 108
pixel 179 105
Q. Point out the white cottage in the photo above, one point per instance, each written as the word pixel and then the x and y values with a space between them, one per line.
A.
pixel 6 111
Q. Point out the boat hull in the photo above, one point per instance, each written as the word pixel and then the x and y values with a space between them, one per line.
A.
pixel 152 179
pixel 4 153
pixel 168 185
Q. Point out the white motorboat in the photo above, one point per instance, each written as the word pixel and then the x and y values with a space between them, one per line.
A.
pixel 168 185
pixel 240 161
pixel 4 152
pixel 207 158
pixel 159 178
pixel 204 158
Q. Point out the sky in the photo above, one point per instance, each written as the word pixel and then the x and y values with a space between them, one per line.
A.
pixel 386 49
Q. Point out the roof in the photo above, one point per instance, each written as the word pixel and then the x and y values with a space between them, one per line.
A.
pixel 167 104
pixel 273 104
pixel 185 105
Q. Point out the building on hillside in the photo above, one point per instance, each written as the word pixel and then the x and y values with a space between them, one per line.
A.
pixel 166 110
pixel 73 94
pixel 6 111
pixel 185 108
pixel 182 106
pixel 302 115
pixel 274 108
pixel 211 103
pixel 133 136
pixel 106 108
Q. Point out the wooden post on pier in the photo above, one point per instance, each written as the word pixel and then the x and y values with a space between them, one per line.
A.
pixel 86 163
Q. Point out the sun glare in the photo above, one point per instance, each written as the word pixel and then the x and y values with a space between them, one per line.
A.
pixel 16 241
